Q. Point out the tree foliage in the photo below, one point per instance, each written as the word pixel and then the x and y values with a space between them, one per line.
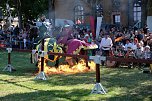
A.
pixel 34 8
pixel 29 9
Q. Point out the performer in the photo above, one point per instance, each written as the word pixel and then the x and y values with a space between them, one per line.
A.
pixel 50 44
pixel 105 45
pixel 72 45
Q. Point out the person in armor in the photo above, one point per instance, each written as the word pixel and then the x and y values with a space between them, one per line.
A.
pixel 43 27
pixel 50 43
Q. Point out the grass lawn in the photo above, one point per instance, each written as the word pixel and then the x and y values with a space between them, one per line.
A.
pixel 121 84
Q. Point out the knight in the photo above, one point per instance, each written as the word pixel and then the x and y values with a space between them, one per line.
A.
pixel 71 45
pixel 43 28
pixel 50 44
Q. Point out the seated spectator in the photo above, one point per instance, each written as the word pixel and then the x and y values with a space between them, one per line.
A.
pixel 147 52
pixel 134 44
pixel 138 52
pixel 127 45
pixel 130 53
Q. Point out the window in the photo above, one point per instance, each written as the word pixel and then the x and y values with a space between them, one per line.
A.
pixel 137 11
pixel 116 19
pixel 79 14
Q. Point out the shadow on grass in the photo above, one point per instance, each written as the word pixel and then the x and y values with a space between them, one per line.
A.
pixel 127 84
pixel 130 97
pixel 49 95
pixel 72 95
pixel 73 79
pixel 136 94
pixel 17 84
pixel 134 85
pixel 20 61
pixel 21 70
pixel 125 77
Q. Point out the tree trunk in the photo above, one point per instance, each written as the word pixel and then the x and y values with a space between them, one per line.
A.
pixel 149 7
pixel 144 12
pixel 19 13
pixel 52 11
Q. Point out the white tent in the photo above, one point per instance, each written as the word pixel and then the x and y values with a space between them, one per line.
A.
pixel 62 22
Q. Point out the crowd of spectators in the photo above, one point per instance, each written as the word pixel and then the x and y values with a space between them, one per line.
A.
pixel 135 43
pixel 15 38
pixel 123 42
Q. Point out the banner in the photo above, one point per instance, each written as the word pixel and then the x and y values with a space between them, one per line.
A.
pixel 99 21
pixel 92 26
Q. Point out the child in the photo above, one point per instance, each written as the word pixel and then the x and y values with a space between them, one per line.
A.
pixel 147 55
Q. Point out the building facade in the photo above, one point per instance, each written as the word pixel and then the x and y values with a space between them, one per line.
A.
pixel 115 12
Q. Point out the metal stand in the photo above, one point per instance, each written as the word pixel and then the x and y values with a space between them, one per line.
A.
pixel 98 88
pixel 9 67
pixel 42 75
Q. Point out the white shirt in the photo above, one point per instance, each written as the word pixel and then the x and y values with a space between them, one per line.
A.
pixel 134 46
pixel 106 43
pixel 128 45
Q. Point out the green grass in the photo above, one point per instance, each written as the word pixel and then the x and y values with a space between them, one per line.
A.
pixel 121 84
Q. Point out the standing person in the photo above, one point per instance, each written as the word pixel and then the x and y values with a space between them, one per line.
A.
pixel 145 29
pixel 105 45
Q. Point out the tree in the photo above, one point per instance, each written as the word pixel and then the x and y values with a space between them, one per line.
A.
pixel 52 10
pixel 26 9
pixel 32 8
pixel 144 12
pixel 149 8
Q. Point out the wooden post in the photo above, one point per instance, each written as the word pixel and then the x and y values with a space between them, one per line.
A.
pixel 31 58
pixel 9 67
pixel 9 58
pixel 42 58
pixel 86 59
pixel 97 73
pixel 98 88
pixel 42 75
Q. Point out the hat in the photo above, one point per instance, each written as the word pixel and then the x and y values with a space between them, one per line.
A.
pixel 147 47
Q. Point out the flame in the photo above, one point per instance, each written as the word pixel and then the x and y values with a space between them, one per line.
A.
pixel 80 67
